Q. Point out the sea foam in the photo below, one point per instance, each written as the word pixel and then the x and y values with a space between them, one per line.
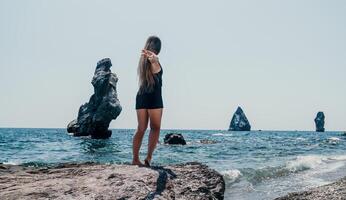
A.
pixel 222 134
pixel 218 134
pixel 10 163
pixel 303 163
pixel 333 140
pixel 231 175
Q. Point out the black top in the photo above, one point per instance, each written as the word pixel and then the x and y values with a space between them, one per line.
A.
pixel 153 99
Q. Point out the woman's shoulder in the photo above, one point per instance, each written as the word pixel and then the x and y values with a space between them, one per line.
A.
pixel 160 70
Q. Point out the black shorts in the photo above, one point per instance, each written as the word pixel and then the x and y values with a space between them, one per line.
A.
pixel 149 100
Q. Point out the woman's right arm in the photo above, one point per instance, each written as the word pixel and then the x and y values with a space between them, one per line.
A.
pixel 154 60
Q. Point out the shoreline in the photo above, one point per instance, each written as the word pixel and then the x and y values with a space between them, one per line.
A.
pixel 101 181
pixel 90 180
pixel 332 191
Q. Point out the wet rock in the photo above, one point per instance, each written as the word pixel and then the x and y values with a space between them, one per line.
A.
pixel 239 121
pixel 319 122
pixel 174 138
pixel 72 127
pixel 95 116
pixel 188 181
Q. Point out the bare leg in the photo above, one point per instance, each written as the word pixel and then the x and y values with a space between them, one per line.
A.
pixel 155 116
pixel 142 118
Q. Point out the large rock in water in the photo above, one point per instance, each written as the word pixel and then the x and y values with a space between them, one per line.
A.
pixel 189 181
pixel 95 116
pixel 319 122
pixel 239 121
pixel 174 138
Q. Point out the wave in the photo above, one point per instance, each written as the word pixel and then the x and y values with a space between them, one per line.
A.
pixel 10 163
pixel 300 139
pixel 302 163
pixel 222 134
pixel 337 158
pixel 232 175
pixel 333 140
pixel 294 166
pixel 218 134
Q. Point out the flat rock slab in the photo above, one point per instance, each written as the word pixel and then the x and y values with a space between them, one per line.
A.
pixel 333 191
pixel 100 181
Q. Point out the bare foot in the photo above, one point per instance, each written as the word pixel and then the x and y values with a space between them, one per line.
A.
pixel 147 162
pixel 137 162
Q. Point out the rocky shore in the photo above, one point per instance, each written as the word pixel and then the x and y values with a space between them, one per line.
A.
pixel 333 191
pixel 100 181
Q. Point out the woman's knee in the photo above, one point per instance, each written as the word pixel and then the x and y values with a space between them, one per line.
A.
pixel 141 129
pixel 155 126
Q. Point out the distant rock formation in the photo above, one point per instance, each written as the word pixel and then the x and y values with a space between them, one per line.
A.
pixel 319 122
pixel 95 116
pixel 174 138
pixel 239 121
pixel 188 181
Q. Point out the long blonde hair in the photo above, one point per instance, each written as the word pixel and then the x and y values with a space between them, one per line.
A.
pixel 146 76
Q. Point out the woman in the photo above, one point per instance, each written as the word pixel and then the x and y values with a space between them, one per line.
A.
pixel 149 103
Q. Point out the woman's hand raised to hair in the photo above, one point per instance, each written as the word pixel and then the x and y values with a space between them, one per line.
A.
pixel 152 57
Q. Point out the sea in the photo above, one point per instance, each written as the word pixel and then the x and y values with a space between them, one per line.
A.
pixel 255 165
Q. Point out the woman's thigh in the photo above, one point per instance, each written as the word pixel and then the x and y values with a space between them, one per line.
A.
pixel 155 116
pixel 142 118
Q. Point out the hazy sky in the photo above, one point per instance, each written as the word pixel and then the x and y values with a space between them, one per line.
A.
pixel 282 61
